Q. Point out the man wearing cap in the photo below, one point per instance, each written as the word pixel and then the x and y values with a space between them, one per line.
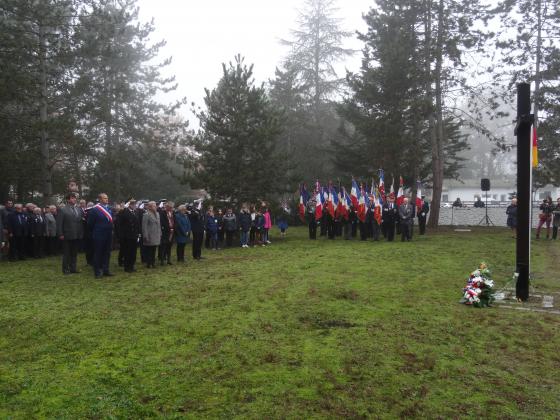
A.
pixel 390 214
pixel 69 229
pixel 100 223
pixel 129 232
pixel 422 214
pixel 406 216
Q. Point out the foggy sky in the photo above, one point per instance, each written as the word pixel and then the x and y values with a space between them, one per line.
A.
pixel 201 35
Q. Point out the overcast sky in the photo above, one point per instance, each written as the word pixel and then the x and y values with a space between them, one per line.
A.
pixel 203 34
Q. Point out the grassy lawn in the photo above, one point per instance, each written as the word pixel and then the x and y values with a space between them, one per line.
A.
pixel 299 329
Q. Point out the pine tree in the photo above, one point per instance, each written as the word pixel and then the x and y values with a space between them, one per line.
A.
pixel 36 71
pixel 116 85
pixel 530 53
pixel 237 144
pixel 316 46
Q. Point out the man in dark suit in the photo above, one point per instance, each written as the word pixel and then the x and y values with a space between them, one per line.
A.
pixel 406 216
pixel 422 214
pixel 100 223
pixel 310 209
pixel 129 232
pixel 18 229
pixel 167 220
pixel 197 228
pixel 69 228
pixel 37 230
pixel 390 214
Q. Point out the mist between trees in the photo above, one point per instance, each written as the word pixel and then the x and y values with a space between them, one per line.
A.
pixel 431 101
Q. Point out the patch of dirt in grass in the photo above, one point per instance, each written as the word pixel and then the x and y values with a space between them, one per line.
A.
pixel 415 364
pixel 271 358
pixel 321 322
pixel 347 295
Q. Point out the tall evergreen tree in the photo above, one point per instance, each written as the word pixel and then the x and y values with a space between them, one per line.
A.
pixel 529 43
pixel 238 138
pixel 36 73
pixel 316 46
pixel 389 127
pixel 116 84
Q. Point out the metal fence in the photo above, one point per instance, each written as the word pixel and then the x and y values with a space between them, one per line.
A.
pixel 471 216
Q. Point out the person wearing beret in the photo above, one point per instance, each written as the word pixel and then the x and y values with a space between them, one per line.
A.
pixel 129 233
pixel 390 215
pixel 70 231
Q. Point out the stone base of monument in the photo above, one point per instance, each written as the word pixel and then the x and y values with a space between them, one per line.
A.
pixel 544 303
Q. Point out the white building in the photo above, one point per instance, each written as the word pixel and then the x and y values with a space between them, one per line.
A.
pixel 469 190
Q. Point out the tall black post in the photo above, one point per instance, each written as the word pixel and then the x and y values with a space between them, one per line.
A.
pixel 524 202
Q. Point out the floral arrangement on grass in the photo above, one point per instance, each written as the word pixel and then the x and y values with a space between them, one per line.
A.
pixel 479 290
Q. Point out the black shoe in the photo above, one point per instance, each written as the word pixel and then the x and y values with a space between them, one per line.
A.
pixel 108 274
pixel 75 272
pixel 98 276
pixel 169 263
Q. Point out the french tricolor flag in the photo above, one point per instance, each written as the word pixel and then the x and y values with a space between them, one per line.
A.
pixel 382 184
pixel 419 195
pixel 400 193
pixel 303 198
pixel 355 194
pixel 319 199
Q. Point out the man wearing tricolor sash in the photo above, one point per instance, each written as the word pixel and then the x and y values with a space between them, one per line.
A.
pixel 100 224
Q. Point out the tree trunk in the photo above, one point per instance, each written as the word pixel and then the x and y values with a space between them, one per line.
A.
pixel 46 169
pixel 437 128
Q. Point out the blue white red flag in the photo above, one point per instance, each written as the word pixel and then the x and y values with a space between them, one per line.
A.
pixel 303 199
pixel 400 193
pixel 382 184
pixel 362 209
pixel 319 199
pixel 355 194
pixel 419 195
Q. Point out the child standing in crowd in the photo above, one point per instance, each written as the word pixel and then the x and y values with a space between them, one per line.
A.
pixel 245 226
pixel 283 221
pixel 267 225
pixel 253 231
pixel 220 221
pixel 259 228
pixel 212 229
pixel 230 226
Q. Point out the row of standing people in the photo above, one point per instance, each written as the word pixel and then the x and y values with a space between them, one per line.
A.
pixel 394 218
pixel 149 228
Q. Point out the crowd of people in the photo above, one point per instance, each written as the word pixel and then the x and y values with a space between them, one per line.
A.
pixel 392 218
pixel 152 228
pixel 149 227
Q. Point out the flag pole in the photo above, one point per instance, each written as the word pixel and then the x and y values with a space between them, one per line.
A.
pixel 524 171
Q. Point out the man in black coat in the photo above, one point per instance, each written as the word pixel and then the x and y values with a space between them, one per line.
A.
pixel 422 215
pixel 390 214
pixel 129 232
pixel 406 216
pixel 310 210
pixel 197 228
pixel 18 229
pixel 167 220
pixel 37 229
pixel 70 230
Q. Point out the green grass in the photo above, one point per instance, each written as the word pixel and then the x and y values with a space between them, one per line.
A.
pixel 299 329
